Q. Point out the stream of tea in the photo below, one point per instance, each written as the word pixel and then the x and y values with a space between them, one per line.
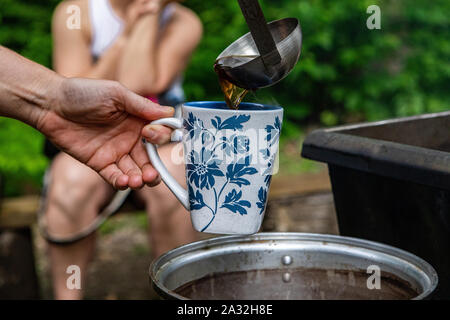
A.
pixel 233 94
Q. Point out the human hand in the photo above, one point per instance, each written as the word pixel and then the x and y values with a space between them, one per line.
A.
pixel 158 5
pixel 140 8
pixel 136 10
pixel 101 123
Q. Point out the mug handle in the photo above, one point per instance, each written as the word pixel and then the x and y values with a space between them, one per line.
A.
pixel 179 192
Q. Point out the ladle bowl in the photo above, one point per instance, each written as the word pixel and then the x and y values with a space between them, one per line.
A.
pixel 242 65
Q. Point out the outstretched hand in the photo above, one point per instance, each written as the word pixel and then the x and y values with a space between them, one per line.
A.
pixel 101 123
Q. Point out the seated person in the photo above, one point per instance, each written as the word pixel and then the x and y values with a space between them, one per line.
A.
pixel 145 45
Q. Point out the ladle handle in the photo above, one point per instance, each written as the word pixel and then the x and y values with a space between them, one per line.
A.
pixel 260 31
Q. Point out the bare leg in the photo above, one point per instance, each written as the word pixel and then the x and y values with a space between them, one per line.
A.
pixel 75 197
pixel 170 223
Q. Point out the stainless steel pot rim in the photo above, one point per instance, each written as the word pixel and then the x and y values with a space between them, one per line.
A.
pixel 273 237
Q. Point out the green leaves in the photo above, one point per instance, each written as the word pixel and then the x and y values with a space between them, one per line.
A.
pixel 345 71
pixel 25 28
pixel 344 68
pixel 21 158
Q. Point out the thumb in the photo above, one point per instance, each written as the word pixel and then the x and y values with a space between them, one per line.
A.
pixel 144 108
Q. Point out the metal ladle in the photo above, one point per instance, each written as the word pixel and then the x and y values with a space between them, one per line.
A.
pixel 266 54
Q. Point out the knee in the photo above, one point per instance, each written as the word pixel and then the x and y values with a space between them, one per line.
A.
pixel 72 187
pixel 172 156
pixel 160 201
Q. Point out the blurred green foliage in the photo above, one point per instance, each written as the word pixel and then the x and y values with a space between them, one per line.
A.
pixel 25 28
pixel 346 71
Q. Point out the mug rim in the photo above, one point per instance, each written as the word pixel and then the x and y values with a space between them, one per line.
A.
pixel 243 106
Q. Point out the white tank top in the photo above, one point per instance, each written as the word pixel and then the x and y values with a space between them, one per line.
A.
pixel 107 26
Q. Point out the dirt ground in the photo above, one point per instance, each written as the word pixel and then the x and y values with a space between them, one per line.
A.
pixel 120 266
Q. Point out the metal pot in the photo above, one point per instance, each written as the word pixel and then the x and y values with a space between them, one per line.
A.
pixel 291 266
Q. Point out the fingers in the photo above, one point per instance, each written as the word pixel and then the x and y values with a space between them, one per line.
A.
pixel 156 134
pixel 127 174
pixel 114 176
pixel 148 6
pixel 143 108
pixel 129 167
pixel 132 170
pixel 149 175
pixel 153 6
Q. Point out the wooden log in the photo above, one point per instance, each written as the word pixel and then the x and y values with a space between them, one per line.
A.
pixel 313 212
pixel 283 186
pixel 18 212
pixel 21 212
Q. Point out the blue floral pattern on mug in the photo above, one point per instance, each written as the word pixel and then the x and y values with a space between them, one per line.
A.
pixel 202 169
pixel 212 188
pixel 272 137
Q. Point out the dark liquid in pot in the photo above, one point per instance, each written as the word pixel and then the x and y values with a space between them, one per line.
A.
pixel 302 283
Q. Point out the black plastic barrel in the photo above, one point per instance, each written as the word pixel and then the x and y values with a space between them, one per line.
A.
pixel 391 184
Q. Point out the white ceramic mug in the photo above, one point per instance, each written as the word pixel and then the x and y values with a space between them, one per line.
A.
pixel 229 156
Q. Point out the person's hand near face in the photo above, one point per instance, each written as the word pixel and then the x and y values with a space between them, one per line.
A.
pixel 136 10
pixel 98 122
pixel 140 8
